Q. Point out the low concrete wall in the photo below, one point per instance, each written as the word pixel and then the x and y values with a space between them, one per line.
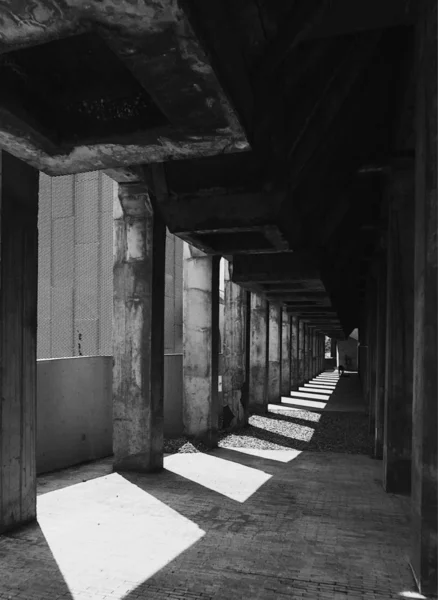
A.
pixel 173 385
pixel 74 411
pixel 74 408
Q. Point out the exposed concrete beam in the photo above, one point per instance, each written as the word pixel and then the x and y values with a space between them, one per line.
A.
pixel 158 96
pixel 267 268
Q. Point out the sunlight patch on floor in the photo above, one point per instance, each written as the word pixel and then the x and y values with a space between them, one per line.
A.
pixel 315 390
pixel 309 395
pixel 296 413
pixel 110 529
pixel 301 402
pixel 235 481
pixel 284 456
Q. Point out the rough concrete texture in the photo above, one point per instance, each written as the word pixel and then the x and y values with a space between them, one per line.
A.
pixel 18 333
pixel 285 352
pixel 138 334
pixel 233 377
pixel 425 392
pixel 150 37
pixel 300 353
pixel 201 318
pixel 274 372
pixel 258 353
pixel 228 524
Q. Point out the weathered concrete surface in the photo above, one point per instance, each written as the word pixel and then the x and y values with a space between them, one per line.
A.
pixel 274 373
pixel 399 335
pixel 235 406
pixel 307 353
pixel 139 262
pixel 379 398
pixel 286 358
pixel 347 354
pixel 295 379
pixel 74 406
pixel 201 345
pixel 150 38
pixel 259 343
pixel 301 350
pixel 18 329
pixel 425 387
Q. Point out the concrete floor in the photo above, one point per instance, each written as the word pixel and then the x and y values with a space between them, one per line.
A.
pixel 233 523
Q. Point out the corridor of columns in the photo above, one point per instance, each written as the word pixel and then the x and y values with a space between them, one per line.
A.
pixel 290 507
pixel 292 146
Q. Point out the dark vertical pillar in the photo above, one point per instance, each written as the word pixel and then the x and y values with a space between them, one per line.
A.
pixel 425 394
pixel 201 345
pixel 372 337
pixel 18 322
pixel 235 413
pixel 285 353
pixel 380 359
pixel 139 262
pixel 399 334
pixel 274 353
pixel 259 348
pixel 301 351
pixel 296 375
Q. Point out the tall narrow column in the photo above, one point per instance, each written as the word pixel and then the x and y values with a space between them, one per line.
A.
pixel 259 339
pixel 285 353
pixel 18 320
pixel 235 405
pixel 399 335
pixel 425 415
pixel 138 334
pixel 380 360
pixel 274 375
pixel 201 345
pixel 301 351
pixel 306 352
pixel 295 378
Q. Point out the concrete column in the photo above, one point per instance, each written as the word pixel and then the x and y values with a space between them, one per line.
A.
pixel 285 353
pixel 295 364
pixel 18 323
pixel 307 354
pixel 425 392
pixel 259 343
pixel 201 345
pixel 372 338
pixel 399 336
pixel 138 367
pixel 274 381
pixel 380 360
pixel 235 405
pixel 301 351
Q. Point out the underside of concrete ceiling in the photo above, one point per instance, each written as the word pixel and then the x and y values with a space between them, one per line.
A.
pixel 266 125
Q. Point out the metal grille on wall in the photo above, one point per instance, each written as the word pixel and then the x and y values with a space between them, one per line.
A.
pixel 75 279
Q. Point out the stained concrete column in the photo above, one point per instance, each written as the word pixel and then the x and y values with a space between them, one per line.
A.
pixel 372 337
pixel 295 364
pixel 307 354
pixel 201 345
pixel 380 360
pixel 425 391
pixel 285 353
pixel 274 375
pixel 399 335
pixel 301 351
pixel 259 343
pixel 138 333
pixel 235 405
pixel 18 323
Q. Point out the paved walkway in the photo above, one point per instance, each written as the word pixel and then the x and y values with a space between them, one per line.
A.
pixel 231 524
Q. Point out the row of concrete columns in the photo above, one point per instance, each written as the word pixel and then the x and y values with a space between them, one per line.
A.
pixel 266 352
pixel 399 329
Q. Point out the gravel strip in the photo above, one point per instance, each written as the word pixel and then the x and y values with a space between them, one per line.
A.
pixel 306 430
